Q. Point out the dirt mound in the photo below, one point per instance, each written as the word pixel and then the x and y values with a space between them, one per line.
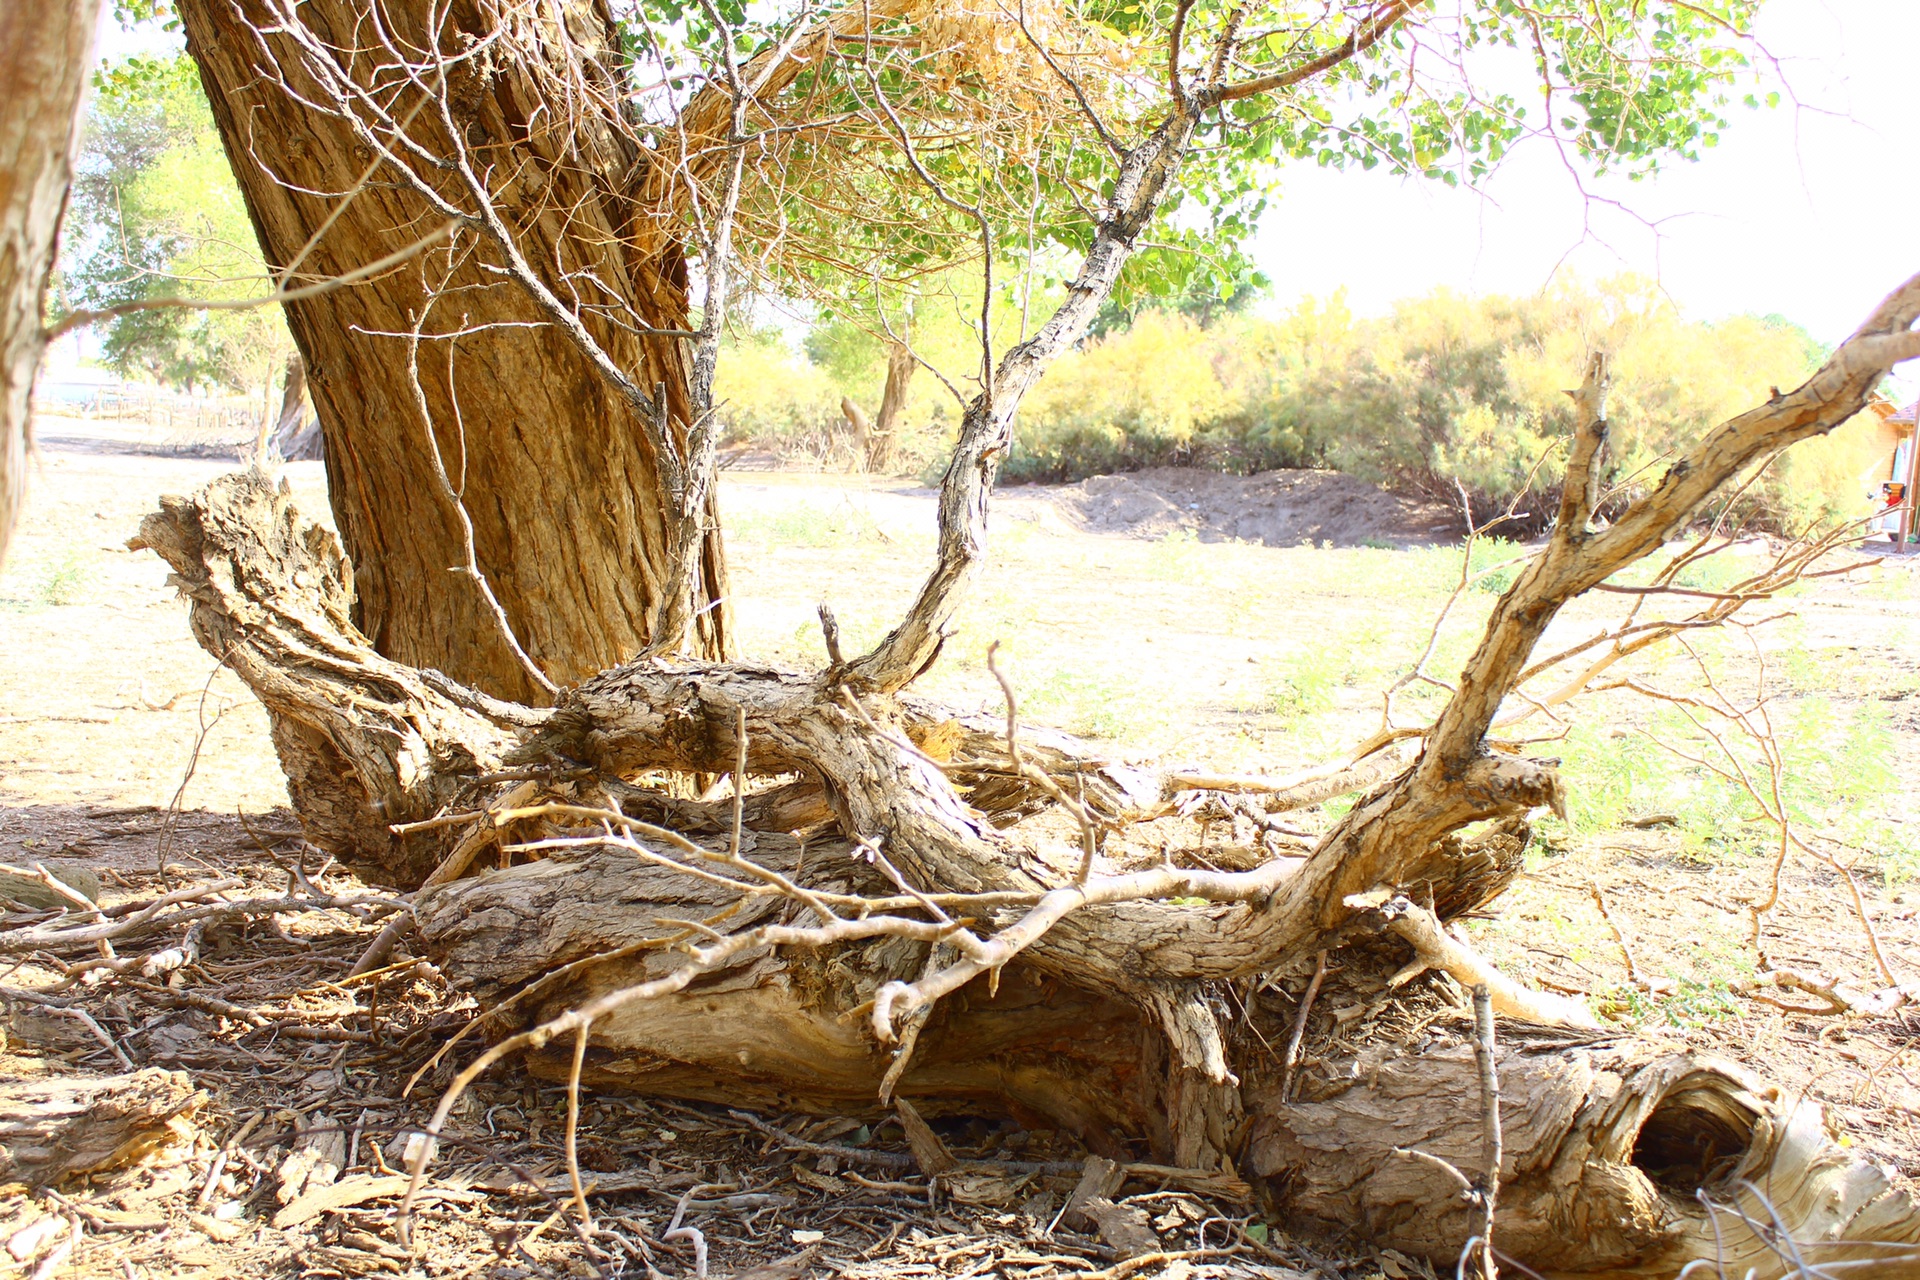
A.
pixel 1278 508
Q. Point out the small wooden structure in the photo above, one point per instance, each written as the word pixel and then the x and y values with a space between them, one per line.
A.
pixel 1901 477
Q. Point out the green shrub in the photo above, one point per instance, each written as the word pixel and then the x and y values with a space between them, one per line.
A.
pixel 68 582
pixel 1135 397
pixel 1449 391
pixel 1170 392
pixel 1445 392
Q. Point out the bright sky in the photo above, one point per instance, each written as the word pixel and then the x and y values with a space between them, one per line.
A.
pixel 1811 212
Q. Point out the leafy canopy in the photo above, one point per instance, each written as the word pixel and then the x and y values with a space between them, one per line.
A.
pixel 935 133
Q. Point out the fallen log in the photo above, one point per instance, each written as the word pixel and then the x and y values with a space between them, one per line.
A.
pixel 903 941
pixel 55 1127
pixel 1623 1158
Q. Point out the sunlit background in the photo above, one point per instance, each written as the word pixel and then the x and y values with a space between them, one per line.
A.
pixel 1810 210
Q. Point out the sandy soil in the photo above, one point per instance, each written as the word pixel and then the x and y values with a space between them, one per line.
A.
pixel 1276 508
pixel 1199 618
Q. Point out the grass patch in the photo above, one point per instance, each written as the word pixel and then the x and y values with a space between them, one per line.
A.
pixel 1496 564
pixel 1092 704
pixel 1179 557
pixel 1840 760
pixel 70 580
pixel 807 525
pixel 1305 682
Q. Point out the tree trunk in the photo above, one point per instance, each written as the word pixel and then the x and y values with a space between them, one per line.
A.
pixel 861 428
pixel 555 466
pixel 883 439
pixel 294 436
pixel 43 63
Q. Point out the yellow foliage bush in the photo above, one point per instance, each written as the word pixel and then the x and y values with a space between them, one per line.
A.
pixel 1134 396
pixel 1446 391
pixel 769 394
pixel 1449 391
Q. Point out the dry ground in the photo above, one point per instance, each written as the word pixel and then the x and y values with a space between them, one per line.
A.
pixel 1155 613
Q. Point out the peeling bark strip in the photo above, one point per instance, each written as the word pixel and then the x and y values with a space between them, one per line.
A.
pixel 43 64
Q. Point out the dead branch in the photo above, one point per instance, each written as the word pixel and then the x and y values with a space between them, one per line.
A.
pixel 1290 1057
pixel 1435 948
pixel 153 918
pixel 1488 1190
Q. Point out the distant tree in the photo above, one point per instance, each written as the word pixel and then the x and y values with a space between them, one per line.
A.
pixel 874 343
pixel 156 214
pixel 859 360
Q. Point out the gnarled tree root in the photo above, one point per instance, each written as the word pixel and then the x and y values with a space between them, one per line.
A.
pixel 365 742
pixel 1106 1022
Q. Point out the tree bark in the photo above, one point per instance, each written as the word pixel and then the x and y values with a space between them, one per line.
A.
pixel 859 425
pixel 295 437
pixel 54 1128
pixel 556 467
pixel 43 63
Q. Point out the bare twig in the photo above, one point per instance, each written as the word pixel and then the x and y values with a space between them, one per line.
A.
pixel 1089 832
pixel 1491 1144
pixel 457 504
pixel 573 1126
pixel 1291 1057
pixel 79 1015
pixel 149 919
pixel 1634 975
pixel 82 317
